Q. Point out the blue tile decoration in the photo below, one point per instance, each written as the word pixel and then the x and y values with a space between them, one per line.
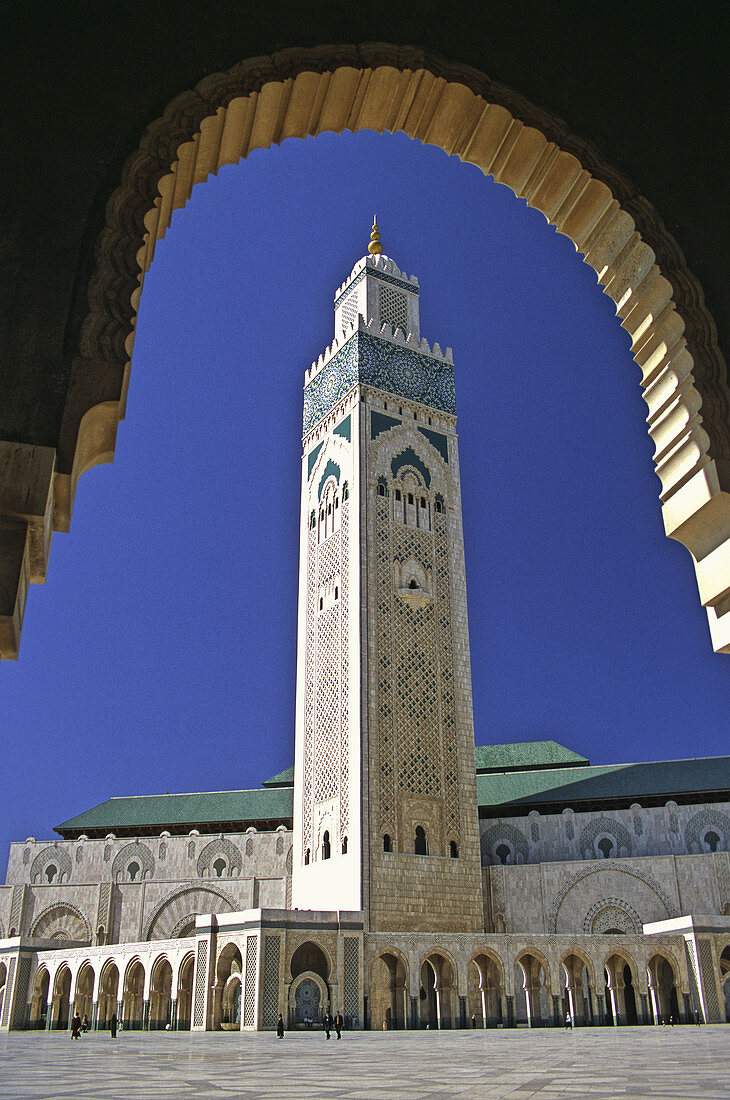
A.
pixel 437 440
pixel 343 429
pixel 380 422
pixel 330 470
pixel 376 275
pixel 408 457
pixel 390 367
pixel 312 458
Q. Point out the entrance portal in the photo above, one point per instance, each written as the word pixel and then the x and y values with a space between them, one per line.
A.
pixel 306 1003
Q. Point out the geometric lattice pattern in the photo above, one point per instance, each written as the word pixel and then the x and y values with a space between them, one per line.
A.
pixel 699 824
pixel 22 981
pixel 349 310
pixel 709 984
pixel 201 980
pixel 10 982
pixel 351 972
pixel 16 909
pixel 270 995
pixel 345 677
pixel 249 1000
pixel 394 307
pixel 416 711
pixel 310 658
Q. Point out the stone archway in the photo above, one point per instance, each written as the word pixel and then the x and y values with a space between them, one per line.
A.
pixel 389 991
pixel 300 92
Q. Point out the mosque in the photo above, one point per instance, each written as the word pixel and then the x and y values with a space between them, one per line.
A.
pixel 396 873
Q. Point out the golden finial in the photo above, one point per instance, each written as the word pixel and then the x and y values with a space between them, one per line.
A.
pixel 375 247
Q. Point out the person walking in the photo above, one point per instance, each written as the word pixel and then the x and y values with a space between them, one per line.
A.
pixel 85 1024
pixel 75 1026
pixel 280 1027
pixel 113 1026
pixel 327 1024
pixel 473 1020
pixel 568 1021
pixel 339 1024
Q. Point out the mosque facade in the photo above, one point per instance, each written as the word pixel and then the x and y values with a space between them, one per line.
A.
pixel 397 874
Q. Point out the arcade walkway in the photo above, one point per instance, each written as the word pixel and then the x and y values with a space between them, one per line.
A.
pixel 603 1063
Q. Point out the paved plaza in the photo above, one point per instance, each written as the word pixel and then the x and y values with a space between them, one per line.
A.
pixel 605 1063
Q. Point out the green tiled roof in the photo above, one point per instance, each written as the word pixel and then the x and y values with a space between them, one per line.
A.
pixel 609 782
pixel 525 755
pixel 283 779
pixel 166 810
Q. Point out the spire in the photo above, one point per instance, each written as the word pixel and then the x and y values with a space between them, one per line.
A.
pixel 375 247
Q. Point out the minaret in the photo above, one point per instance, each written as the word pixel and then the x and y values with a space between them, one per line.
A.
pixel 385 812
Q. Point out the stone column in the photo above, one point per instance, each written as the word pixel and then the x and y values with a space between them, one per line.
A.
pixel 509 998
pixel 173 1014
pixel 145 1015
pixel 645 1019
pixel 557 1012
pixel 415 1016
pixel 462 1004
pixel 94 1024
pixel 600 998
pixel 687 1008
pixel 120 1011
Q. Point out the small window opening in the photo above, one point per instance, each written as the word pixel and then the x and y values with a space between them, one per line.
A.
pixel 345 491
pixel 420 847
pixel 219 866
pixel 387 843
pixel 397 494
pixel 606 846
pixel 344 845
pixel 321 514
pixel 429 419
pixel 51 871
pixel 326 845
pixel 439 506
pixel 453 849
pixel 423 502
pixel 306 857
pixel 712 841
pixel 410 498
pixel 381 490
pixel 502 853
pixel 413 583
pixel 321 603
pixel 400 410
pixel 337 592
pixel 337 502
pixel 329 509
pixel 312 520
pixel 133 870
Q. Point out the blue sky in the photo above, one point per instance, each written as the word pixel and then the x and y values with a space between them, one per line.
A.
pixel 160 655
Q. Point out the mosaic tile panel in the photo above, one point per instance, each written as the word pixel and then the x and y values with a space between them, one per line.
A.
pixel 384 596
pixel 709 983
pixel 270 995
pixel 16 908
pixel 350 976
pixel 249 997
pixel 376 362
pixel 22 981
pixel 393 307
pixel 345 678
pixel 201 981
pixel 9 983
pixel 310 658
pixel 446 664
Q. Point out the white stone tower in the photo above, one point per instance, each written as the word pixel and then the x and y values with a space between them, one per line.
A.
pixel 385 814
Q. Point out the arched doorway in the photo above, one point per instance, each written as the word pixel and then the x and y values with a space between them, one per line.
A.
pixel 84 992
pixel 621 991
pixel 108 996
pixel 486 991
pixel 61 998
pixel 3 980
pixel 133 997
pixel 663 999
pixel 161 995
pixel 228 990
pixel 532 991
pixel 437 992
pixel 39 1000
pixel 309 993
pixel 389 1008
pixel 725 979
pixel 578 993
pixel 185 993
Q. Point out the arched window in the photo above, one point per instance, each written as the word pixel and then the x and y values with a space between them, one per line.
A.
pixel 51 871
pixel 423 502
pixel 397 494
pixel 133 870
pixel 503 853
pixel 321 602
pixel 337 592
pixel 345 491
pixel 312 520
pixel 606 846
pixel 712 840
pixel 381 489
pixel 453 849
pixel 420 847
pixel 413 583
pixel 387 843
pixel 410 498
pixel 306 857
pixel 326 845
pixel 219 866
pixel 344 845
